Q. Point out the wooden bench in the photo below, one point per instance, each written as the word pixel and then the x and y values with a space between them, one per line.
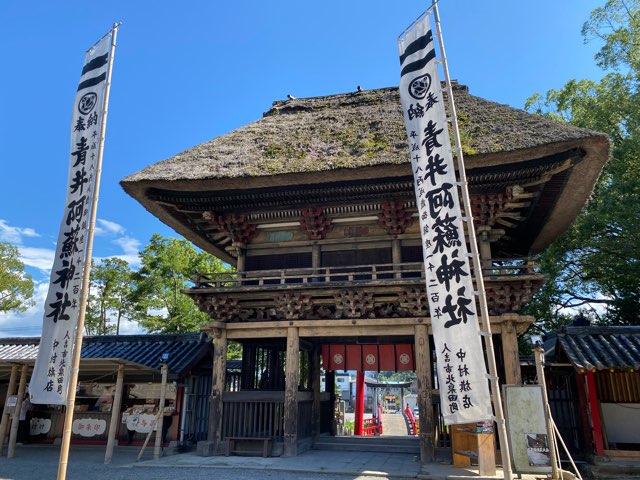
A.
pixel 467 444
pixel 243 446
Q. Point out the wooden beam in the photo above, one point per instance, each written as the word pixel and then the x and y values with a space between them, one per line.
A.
pixel 425 405
pixel 115 415
pixel 292 379
pixel 13 379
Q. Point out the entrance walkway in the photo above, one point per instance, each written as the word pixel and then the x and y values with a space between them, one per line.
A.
pixel 393 424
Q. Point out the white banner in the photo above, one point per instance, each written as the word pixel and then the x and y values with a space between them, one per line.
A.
pixel 50 380
pixel 464 389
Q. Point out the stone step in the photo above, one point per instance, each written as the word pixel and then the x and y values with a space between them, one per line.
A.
pixel 371 444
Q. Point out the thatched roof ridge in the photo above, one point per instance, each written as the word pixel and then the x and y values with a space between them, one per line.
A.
pixel 354 130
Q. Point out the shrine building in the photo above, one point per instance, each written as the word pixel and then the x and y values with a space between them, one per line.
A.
pixel 314 207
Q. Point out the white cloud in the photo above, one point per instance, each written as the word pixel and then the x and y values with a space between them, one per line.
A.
pixel 40 258
pixel 29 323
pixel 15 234
pixel 105 227
pixel 130 247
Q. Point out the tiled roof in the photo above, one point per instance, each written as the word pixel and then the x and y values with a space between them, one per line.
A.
pixel 601 348
pixel 184 349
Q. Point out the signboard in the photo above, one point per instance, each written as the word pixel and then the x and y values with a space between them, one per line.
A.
pixel 527 428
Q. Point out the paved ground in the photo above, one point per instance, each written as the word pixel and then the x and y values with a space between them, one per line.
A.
pixel 393 424
pixel 86 463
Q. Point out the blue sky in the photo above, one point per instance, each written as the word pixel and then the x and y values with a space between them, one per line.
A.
pixel 186 72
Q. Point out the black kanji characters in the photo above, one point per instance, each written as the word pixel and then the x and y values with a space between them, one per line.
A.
pixel 59 307
pixel 435 166
pixel 446 233
pixel 81 152
pixel 440 198
pixel 449 271
pixel 430 141
pixel 459 312
pixel 65 274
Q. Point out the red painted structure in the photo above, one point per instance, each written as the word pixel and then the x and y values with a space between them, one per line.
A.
pixel 590 381
pixel 359 410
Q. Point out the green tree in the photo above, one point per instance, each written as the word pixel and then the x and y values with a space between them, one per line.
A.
pixel 595 266
pixel 167 267
pixel 16 287
pixel 110 292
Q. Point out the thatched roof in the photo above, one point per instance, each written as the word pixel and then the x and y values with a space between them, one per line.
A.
pixel 361 135
pixel 351 131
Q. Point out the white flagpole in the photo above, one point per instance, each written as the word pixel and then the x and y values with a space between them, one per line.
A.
pixel 477 267
pixel 75 365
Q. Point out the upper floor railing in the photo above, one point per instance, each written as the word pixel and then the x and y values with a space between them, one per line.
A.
pixel 499 267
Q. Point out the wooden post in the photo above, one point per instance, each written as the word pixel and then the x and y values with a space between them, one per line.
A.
pixel 163 396
pixel 115 415
pixel 315 368
pixel 13 379
pixel 425 405
pixel 292 379
pixel 594 410
pixel 396 255
pixel 538 353
pixel 484 244
pixel 241 263
pixel 510 354
pixel 15 418
pixel 359 410
pixel 330 387
pixel 214 433
pixel 316 260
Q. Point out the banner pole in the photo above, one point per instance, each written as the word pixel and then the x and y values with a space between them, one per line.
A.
pixel 477 267
pixel 75 365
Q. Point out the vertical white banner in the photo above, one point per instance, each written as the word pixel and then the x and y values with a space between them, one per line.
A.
pixel 50 380
pixel 464 388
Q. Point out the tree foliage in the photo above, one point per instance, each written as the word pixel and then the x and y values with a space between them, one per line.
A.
pixel 167 267
pixel 16 287
pixel 110 297
pixel 595 266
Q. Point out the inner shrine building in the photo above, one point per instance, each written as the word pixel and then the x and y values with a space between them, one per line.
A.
pixel 314 207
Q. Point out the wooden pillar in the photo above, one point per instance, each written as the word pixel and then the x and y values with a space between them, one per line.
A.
pixel 425 404
pixel 15 418
pixel 359 410
pixel 509 338
pixel 484 245
pixel 315 369
pixel 115 415
pixel 538 353
pixel 396 254
pixel 594 410
pixel 242 259
pixel 581 381
pixel 292 379
pixel 13 379
pixel 214 433
pixel 159 424
pixel 316 257
pixel 330 387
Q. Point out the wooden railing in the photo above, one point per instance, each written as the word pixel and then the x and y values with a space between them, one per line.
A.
pixel 502 267
pixel 261 415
